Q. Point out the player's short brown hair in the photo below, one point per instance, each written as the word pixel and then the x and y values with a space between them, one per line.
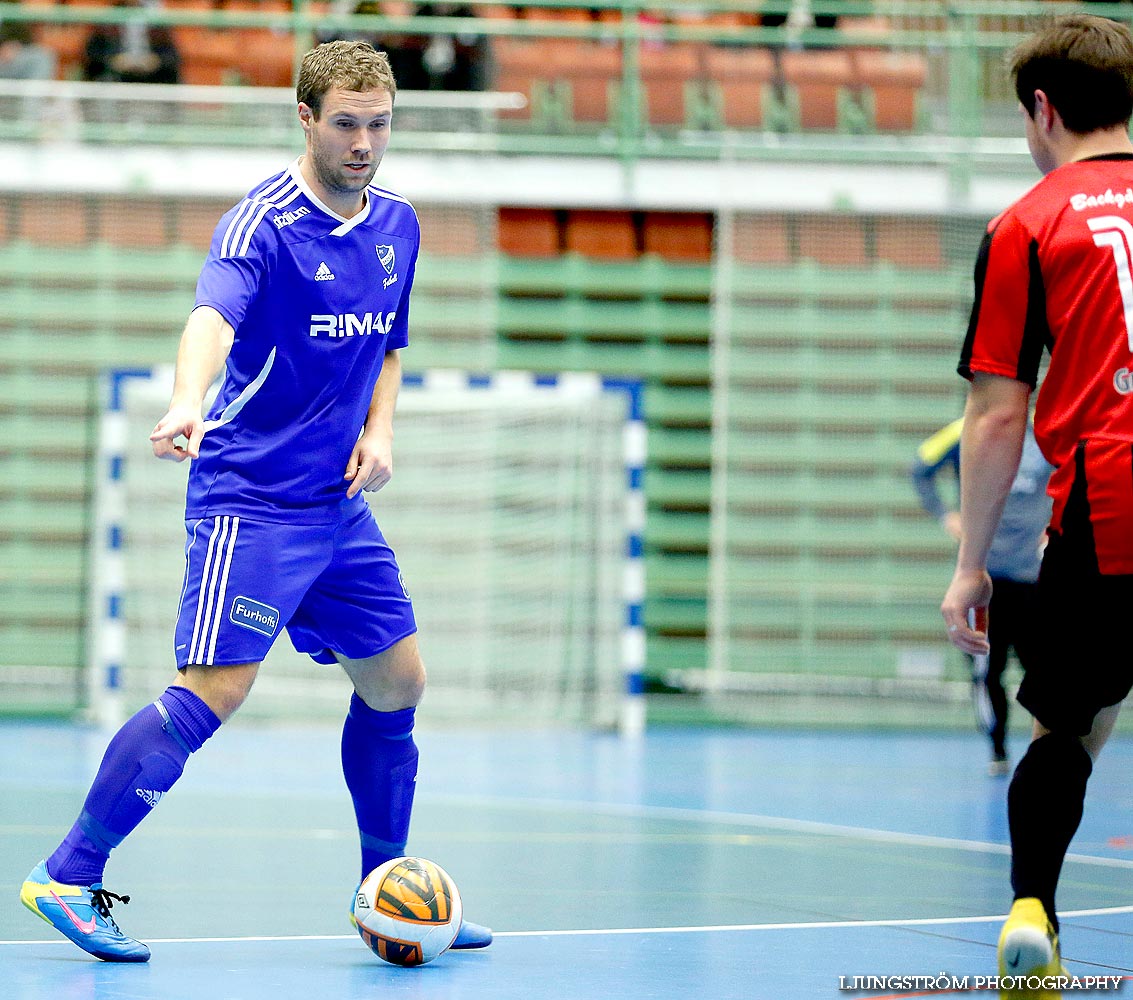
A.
pixel 1084 64
pixel 356 66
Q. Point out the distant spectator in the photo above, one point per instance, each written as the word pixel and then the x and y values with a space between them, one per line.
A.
pixel 21 58
pixel 423 62
pixel 799 17
pixel 406 52
pixel 454 62
pixel 132 53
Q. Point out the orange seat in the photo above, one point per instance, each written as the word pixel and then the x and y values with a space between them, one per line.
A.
pixel 909 241
pixel 683 236
pixel 894 80
pixel 208 55
pixel 55 222
pixel 134 222
pixel 68 42
pixel 452 230
pixel 529 232
pixel 666 71
pixel 498 11
pixel 741 77
pixel 265 57
pixel 197 220
pixel 761 239
pixel 607 235
pixel 817 77
pixel 264 6
pixel 591 69
pixel 834 240
pixel 519 63
pixel 557 14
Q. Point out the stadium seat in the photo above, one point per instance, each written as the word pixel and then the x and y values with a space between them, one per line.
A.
pixel 452 230
pixel 681 236
pixel 197 219
pixel 59 222
pixel 667 75
pixel 67 41
pixel 523 65
pixel 761 239
pixel 264 56
pixel 497 11
pixel 208 55
pixel 891 83
pixel 609 235
pixel 135 222
pixel 576 14
pixel 907 241
pixel 819 79
pixel 834 240
pixel 592 70
pixel 743 79
pixel 529 232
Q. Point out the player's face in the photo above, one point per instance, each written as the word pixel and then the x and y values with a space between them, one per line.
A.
pixel 345 144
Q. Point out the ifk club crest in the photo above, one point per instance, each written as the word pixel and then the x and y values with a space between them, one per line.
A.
pixel 389 261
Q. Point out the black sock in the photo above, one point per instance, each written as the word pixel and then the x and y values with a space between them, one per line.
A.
pixel 1044 808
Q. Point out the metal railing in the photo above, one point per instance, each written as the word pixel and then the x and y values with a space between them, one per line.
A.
pixel 965 96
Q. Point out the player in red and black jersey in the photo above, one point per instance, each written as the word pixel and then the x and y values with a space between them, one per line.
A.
pixel 1056 272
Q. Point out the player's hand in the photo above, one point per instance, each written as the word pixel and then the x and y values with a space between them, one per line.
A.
pixel 180 421
pixel 370 466
pixel 965 611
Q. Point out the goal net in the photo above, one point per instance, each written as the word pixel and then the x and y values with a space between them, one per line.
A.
pixel 835 339
pixel 508 512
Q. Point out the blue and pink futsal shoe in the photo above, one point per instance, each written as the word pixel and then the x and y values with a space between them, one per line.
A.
pixel 81 913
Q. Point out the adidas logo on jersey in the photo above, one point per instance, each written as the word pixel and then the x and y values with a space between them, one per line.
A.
pixel 149 796
pixel 324 273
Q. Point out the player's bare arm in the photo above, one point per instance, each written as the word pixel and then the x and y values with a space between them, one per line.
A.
pixel 371 462
pixel 205 344
pixel 995 423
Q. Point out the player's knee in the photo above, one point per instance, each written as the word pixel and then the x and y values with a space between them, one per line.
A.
pixel 223 689
pixel 392 686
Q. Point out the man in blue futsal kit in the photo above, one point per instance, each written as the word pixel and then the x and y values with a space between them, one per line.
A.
pixel 303 301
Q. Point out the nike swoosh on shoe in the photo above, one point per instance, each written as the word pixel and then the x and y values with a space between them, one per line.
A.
pixel 86 926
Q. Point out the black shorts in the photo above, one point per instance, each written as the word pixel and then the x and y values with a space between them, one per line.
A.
pixel 1084 662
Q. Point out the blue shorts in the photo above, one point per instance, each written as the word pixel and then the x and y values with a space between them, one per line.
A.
pixel 335 587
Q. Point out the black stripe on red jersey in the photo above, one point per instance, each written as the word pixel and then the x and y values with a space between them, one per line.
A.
pixel 1036 330
pixel 964 367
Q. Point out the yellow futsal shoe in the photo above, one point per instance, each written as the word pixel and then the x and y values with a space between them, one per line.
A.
pixel 1028 954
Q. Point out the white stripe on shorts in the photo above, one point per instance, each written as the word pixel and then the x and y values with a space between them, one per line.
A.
pixel 213 586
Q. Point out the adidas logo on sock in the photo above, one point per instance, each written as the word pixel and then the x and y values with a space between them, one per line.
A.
pixel 324 273
pixel 149 796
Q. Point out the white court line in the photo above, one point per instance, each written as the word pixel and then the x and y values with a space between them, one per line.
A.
pixel 600 931
pixel 786 824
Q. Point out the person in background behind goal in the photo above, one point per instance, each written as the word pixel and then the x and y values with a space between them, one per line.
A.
pixel 1054 272
pixel 1013 562
pixel 303 302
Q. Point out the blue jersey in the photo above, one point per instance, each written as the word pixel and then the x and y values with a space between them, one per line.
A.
pixel 316 301
pixel 1016 549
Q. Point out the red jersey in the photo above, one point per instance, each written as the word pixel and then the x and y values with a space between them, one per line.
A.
pixel 1056 271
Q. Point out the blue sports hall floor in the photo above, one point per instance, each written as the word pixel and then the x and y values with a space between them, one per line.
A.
pixel 715 863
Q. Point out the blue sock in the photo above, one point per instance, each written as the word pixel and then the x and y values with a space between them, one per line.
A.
pixel 144 759
pixel 379 762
